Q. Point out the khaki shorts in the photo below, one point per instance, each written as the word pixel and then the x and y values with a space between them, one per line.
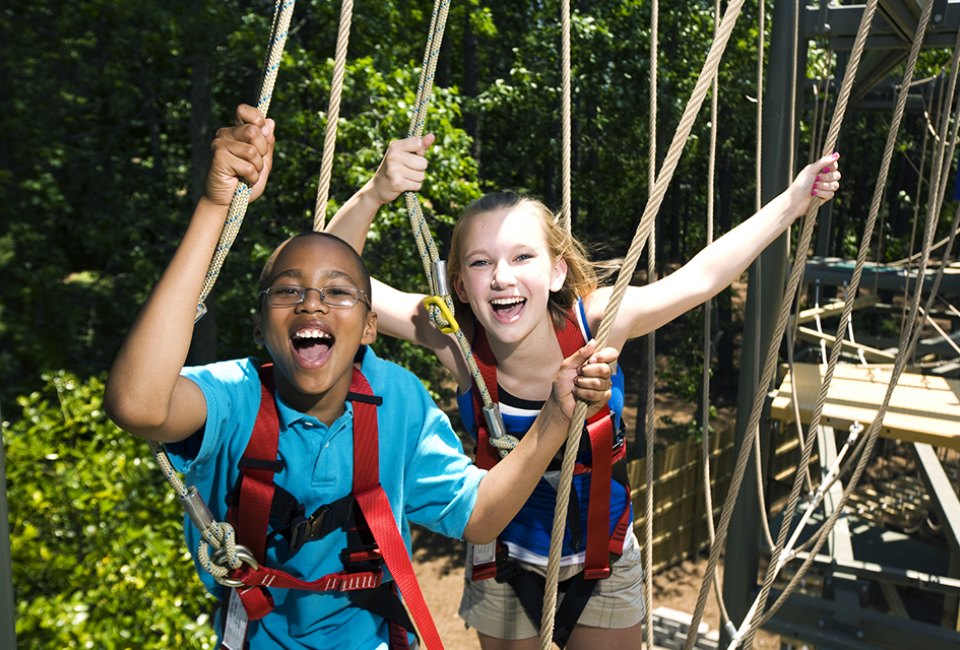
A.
pixel 492 608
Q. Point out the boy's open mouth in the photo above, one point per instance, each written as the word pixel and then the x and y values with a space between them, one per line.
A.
pixel 507 309
pixel 312 345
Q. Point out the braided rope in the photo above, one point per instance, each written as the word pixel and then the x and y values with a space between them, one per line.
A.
pixel 873 433
pixel 708 327
pixel 864 249
pixel 565 217
pixel 333 116
pixel 216 534
pixel 658 192
pixel 422 236
pixel 771 359
pixel 283 12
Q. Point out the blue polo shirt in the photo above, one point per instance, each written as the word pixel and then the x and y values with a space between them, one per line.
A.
pixel 427 478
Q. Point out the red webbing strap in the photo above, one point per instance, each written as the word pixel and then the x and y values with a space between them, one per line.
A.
pixel 486 455
pixel 376 508
pixel 256 492
pixel 599 429
pixel 597 556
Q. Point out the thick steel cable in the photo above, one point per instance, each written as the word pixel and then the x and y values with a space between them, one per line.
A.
pixel 333 116
pixel 650 420
pixel 654 201
pixel 786 304
pixel 283 12
pixel 566 216
pixel 853 287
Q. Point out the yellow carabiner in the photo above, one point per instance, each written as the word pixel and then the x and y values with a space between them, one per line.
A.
pixel 439 303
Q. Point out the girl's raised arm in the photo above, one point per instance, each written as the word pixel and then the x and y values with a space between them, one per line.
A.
pixel 713 269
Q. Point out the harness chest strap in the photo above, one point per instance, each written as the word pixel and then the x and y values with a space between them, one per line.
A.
pixel 252 518
pixel 599 430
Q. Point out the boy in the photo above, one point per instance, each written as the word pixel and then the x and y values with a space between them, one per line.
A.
pixel 315 320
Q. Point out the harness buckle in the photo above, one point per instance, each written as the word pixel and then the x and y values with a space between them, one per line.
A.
pixel 367 557
pixel 596 574
pixel 308 529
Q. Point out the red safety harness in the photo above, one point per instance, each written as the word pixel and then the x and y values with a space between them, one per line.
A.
pixel 370 523
pixel 601 545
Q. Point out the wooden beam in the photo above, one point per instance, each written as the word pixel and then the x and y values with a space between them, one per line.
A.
pixel 835 309
pixel 872 355
pixel 923 408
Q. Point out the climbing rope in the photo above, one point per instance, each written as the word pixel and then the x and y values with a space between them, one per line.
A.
pixel 333 116
pixel 565 218
pixel 657 194
pixel 848 303
pixel 219 535
pixel 282 13
pixel 650 420
pixel 752 427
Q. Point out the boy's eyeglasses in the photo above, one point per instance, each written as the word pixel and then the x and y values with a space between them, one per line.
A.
pixel 289 295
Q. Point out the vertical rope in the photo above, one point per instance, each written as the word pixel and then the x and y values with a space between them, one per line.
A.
pixel 865 242
pixel 283 12
pixel 566 217
pixel 333 116
pixel 777 337
pixel 650 422
pixel 655 200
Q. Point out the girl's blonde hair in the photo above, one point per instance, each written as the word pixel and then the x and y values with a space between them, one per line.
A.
pixel 583 276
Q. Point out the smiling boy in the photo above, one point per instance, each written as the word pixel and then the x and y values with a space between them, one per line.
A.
pixel 315 320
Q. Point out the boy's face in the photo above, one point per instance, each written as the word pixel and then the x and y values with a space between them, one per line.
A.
pixel 311 343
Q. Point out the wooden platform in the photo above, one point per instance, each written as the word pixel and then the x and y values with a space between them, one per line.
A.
pixel 923 408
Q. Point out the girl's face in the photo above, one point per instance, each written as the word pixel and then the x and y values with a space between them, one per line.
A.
pixel 507 272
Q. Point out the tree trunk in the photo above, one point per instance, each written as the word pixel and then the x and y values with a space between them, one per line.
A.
pixel 203 347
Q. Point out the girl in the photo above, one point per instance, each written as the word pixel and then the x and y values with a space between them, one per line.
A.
pixel 523 286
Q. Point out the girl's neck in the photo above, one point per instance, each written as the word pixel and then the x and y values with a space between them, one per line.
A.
pixel 526 366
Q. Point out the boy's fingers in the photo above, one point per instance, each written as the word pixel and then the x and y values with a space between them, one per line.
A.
pixel 246 114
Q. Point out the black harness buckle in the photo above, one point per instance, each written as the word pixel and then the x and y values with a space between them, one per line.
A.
pixel 307 529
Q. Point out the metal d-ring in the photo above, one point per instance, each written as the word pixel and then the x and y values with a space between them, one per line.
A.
pixel 244 555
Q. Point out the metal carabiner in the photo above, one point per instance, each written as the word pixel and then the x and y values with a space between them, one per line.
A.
pixel 438 302
pixel 244 555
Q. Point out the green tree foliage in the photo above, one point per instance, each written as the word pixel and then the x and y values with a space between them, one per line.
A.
pixel 106 113
pixel 98 554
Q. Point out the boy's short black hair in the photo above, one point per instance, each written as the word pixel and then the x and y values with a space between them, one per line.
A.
pixel 266 275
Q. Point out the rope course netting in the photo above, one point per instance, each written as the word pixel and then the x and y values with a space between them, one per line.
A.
pixel 220 553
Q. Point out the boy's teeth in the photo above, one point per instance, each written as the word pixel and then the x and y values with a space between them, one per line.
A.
pixel 311 334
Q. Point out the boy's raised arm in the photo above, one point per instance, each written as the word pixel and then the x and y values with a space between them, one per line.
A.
pixel 145 393
pixel 403 169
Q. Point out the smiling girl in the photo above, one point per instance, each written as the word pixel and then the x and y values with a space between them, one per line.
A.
pixel 525 288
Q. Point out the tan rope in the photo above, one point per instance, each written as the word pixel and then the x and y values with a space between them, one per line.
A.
pixel 772 353
pixel 429 254
pixel 566 217
pixel 864 249
pixel 283 12
pixel 758 203
pixel 333 116
pixel 654 201
pixel 708 326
